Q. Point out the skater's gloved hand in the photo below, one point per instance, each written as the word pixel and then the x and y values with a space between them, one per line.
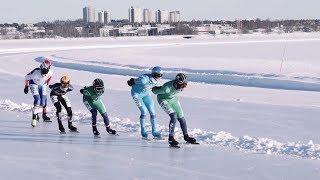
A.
pixel 156 88
pixel 81 91
pixel 50 86
pixel 131 82
pixel 26 89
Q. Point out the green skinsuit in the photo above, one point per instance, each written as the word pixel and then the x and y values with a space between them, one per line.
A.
pixel 167 97
pixel 92 100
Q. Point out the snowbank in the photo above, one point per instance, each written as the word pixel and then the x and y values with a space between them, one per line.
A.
pixel 209 138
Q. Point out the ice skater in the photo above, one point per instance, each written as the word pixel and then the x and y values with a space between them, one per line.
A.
pixel 93 102
pixel 167 96
pixel 59 97
pixel 140 91
pixel 37 80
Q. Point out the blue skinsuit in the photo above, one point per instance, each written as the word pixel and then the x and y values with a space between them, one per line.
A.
pixel 141 95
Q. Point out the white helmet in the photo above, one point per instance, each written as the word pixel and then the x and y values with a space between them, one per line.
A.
pixel 45 66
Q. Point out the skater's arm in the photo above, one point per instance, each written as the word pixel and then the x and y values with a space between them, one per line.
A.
pixel 29 76
pixel 54 85
pixel 85 92
pixel 160 90
pixel 70 88
pixel 48 80
pixel 142 80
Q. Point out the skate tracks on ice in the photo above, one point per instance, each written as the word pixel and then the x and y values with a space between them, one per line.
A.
pixel 209 138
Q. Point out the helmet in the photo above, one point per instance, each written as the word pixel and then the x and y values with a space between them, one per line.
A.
pixel 65 81
pixel 156 72
pixel 98 86
pixel 181 80
pixel 45 66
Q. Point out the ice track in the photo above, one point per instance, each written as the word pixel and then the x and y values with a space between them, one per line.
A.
pixel 206 138
pixel 269 81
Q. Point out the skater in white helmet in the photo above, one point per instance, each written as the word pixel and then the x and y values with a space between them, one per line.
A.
pixel 37 81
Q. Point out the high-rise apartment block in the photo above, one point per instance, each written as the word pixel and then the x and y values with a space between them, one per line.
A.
pixel 89 15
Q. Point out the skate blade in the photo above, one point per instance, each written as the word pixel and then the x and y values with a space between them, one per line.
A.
pixel 196 143
pixel 74 131
pixel 146 139
pixel 96 136
pixel 116 134
pixel 158 138
pixel 174 146
pixel 63 132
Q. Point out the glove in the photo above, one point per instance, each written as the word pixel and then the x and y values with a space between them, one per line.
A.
pixel 131 82
pixel 50 86
pixel 26 89
pixel 155 88
pixel 81 91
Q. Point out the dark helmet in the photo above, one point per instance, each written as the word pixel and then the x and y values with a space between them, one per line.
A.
pixel 181 80
pixel 98 86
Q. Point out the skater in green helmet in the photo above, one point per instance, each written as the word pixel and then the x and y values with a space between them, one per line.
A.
pixel 93 102
pixel 167 96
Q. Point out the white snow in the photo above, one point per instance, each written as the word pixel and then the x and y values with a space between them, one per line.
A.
pixel 253 118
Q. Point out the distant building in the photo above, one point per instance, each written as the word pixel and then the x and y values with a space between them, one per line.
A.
pixel 162 16
pixel 104 17
pixel 153 16
pixel 149 16
pixel 135 15
pixel 146 15
pixel 106 31
pixel 89 15
pixel 174 16
pixel 101 17
pixel 107 17
pixel 158 16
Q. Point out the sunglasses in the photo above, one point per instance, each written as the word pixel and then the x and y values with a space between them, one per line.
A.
pixel 181 86
pixel 157 75
pixel 65 84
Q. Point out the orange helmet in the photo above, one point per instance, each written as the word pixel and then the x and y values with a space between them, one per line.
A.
pixel 65 80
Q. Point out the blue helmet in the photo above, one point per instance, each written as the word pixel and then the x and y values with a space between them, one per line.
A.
pixel 157 72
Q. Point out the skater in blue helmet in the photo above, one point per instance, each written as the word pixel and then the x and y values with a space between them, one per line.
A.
pixel 141 94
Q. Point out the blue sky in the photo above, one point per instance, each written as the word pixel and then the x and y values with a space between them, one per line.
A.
pixel 31 11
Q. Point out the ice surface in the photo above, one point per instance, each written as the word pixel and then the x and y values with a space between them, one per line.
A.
pixel 246 130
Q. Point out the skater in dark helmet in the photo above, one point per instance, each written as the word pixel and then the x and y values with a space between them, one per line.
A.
pixel 167 96
pixel 93 102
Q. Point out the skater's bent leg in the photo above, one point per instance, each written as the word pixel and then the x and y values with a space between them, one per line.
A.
pixel 36 108
pixel 105 119
pixel 143 112
pixel 57 105
pixel 172 124
pixel 66 104
pixel 183 125
pixel 36 100
pixel 69 112
pixel 94 114
pixel 150 106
